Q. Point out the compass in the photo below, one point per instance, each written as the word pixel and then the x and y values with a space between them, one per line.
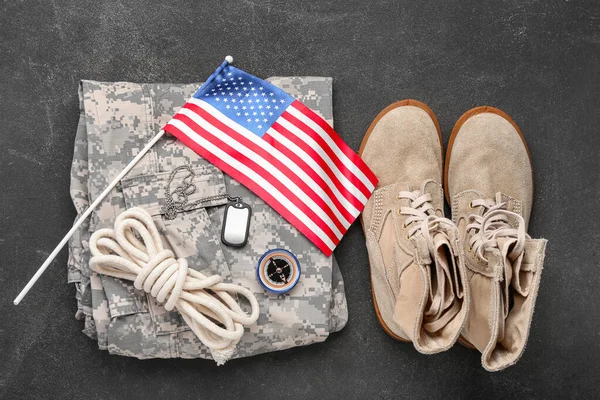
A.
pixel 278 270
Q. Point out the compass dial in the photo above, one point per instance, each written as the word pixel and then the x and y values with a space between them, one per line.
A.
pixel 278 270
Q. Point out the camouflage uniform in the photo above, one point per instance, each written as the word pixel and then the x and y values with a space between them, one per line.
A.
pixel 117 120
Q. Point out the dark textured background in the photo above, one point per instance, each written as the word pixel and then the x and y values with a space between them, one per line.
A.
pixel 536 60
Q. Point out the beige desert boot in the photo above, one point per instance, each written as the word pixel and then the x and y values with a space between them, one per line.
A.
pixel 488 180
pixel 417 278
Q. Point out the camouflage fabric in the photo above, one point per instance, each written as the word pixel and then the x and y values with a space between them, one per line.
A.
pixel 117 120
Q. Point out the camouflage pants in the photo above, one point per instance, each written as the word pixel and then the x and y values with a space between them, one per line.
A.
pixel 117 120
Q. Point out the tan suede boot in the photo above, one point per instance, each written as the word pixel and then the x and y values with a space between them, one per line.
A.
pixel 416 274
pixel 489 182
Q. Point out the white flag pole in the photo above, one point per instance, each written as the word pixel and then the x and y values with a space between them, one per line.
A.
pixel 83 217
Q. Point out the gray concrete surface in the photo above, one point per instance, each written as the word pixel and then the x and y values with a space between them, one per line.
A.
pixel 536 60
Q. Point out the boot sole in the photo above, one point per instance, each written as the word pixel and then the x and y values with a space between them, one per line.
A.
pixel 401 103
pixel 463 118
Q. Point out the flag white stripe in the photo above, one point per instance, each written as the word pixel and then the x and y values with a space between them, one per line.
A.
pixel 256 178
pixel 315 146
pixel 289 163
pixel 334 147
pixel 277 174
pixel 315 166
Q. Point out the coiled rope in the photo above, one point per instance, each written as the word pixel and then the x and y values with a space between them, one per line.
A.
pixel 205 303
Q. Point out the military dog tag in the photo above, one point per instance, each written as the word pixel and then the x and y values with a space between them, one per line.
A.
pixel 236 223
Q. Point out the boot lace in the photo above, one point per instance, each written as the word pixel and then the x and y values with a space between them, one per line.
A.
pixel 422 212
pixel 493 225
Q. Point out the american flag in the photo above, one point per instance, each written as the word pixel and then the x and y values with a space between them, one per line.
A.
pixel 278 148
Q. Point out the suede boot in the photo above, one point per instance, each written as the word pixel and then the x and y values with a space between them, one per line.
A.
pixel 489 183
pixel 417 275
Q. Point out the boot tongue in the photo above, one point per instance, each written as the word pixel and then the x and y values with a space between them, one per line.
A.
pixel 509 271
pixel 439 262
pixel 501 234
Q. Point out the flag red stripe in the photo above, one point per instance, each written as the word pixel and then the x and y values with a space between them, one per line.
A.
pixel 260 171
pixel 355 158
pixel 262 193
pixel 269 158
pixel 354 180
pixel 315 156
pixel 295 158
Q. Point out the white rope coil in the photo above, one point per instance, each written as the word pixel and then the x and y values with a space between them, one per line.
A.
pixel 205 303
